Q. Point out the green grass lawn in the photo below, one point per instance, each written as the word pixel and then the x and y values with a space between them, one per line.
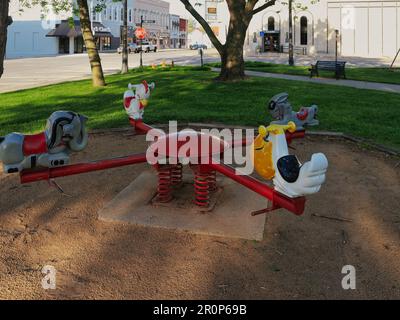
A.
pixel 189 94
pixel 383 75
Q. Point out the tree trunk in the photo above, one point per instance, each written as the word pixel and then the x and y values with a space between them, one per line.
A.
pixel 124 68
pixel 94 57
pixel 232 62
pixel 241 12
pixel 5 21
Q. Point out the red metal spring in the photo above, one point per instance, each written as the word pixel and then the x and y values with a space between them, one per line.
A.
pixel 164 191
pixel 176 174
pixel 212 180
pixel 202 189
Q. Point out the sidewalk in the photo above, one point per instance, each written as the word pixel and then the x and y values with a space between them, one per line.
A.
pixel 306 60
pixel 394 88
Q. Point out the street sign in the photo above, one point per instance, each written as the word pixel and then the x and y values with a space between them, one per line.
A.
pixel 140 33
pixel 149 21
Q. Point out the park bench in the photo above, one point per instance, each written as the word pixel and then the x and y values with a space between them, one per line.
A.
pixel 337 66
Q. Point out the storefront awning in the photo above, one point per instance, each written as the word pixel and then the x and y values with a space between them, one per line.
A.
pixel 65 29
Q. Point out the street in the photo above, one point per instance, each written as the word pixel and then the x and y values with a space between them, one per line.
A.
pixel 33 72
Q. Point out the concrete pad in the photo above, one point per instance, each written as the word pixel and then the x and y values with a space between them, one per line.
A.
pixel 229 217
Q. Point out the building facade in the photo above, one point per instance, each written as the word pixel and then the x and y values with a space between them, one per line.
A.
pixel 183 33
pixel 365 28
pixel 150 10
pixel 26 36
pixel 216 13
pixel 32 35
pixel 174 30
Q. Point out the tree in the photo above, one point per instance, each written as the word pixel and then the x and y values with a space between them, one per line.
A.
pixel 99 7
pixel 124 68
pixel 91 48
pixel 83 12
pixel 5 21
pixel 231 53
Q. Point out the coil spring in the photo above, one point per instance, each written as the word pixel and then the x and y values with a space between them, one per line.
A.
pixel 164 192
pixel 212 181
pixel 176 174
pixel 202 189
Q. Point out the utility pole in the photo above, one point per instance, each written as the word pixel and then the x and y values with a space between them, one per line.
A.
pixel 124 68
pixel 291 59
pixel 141 44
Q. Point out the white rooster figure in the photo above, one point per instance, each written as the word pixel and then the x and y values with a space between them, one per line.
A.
pixel 136 98
pixel 290 176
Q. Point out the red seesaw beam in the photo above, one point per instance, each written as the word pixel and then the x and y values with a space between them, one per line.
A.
pixel 27 176
pixel 295 205
pixel 141 127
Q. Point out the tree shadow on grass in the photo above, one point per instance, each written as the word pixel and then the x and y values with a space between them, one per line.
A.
pixel 193 96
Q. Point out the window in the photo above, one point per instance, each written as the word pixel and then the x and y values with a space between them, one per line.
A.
pixel 130 15
pixel 271 24
pixel 115 14
pixel 303 30
pixel 109 14
pixel 122 14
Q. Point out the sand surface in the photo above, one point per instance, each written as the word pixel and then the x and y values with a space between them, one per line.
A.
pixel 300 257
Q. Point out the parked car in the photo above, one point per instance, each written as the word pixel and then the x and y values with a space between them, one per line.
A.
pixel 132 47
pixel 148 46
pixel 197 46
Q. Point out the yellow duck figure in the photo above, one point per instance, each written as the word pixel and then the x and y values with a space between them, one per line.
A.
pixel 262 155
pixel 272 161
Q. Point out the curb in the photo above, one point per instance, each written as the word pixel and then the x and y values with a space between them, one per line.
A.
pixel 345 136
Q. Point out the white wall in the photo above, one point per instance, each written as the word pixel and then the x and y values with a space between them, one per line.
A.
pixel 28 39
pixel 27 34
pixel 367 28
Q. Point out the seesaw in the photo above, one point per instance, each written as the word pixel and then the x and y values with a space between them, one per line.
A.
pixel 46 156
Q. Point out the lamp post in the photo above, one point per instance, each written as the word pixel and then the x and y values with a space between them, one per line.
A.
pixel 291 59
pixel 141 44
pixel 336 45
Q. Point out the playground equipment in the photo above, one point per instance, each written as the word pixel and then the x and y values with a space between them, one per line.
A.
pixel 273 161
pixel 136 99
pixel 66 132
pixel 282 112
